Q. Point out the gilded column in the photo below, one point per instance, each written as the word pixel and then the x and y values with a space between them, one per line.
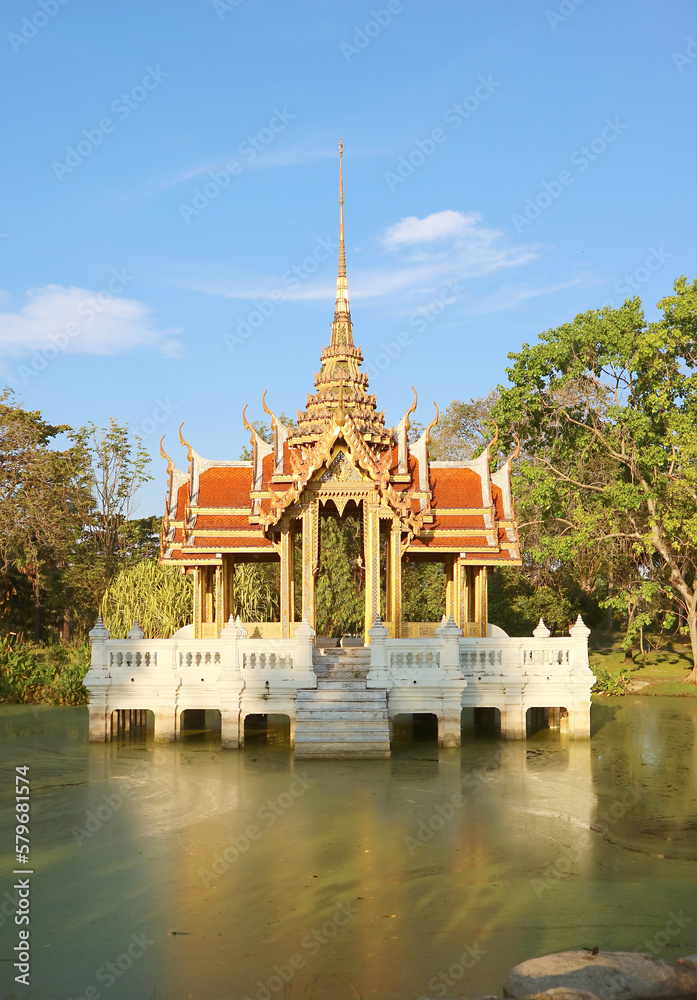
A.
pixel 450 607
pixel 287 582
pixel 483 600
pixel 218 607
pixel 198 600
pixel 371 556
pixel 228 587
pixel 394 573
pixel 310 559
pixel 460 613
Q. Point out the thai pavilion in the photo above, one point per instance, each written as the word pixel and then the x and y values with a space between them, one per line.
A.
pixel 220 513
pixel 339 702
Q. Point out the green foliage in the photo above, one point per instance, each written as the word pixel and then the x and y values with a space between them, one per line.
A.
pixel 65 524
pixel 265 433
pixel 464 429
pixel 606 408
pixel 256 596
pixel 423 591
pixel 519 597
pixel 160 597
pixel 610 684
pixel 44 497
pixel 50 675
pixel 340 603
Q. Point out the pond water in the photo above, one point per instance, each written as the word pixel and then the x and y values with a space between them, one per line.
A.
pixel 183 872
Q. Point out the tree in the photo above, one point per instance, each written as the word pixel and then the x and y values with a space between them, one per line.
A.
pixel 118 468
pixel 265 433
pixel 44 492
pixel 423 591
pixel 462 431
pixel 339 597
pixel 607 408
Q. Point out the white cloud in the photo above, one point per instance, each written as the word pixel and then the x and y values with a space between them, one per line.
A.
pixel 422 254
pixel 433 227
pixel 78 320
pixel 290 156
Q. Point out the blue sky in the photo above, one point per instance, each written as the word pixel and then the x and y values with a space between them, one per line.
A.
pixel 169 223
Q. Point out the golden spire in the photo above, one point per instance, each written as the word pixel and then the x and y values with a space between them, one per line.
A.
pixel 342 301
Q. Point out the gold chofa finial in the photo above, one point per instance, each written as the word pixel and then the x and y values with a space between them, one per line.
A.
pixel 342 245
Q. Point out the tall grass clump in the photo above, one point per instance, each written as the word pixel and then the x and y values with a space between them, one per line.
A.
pixel 160 597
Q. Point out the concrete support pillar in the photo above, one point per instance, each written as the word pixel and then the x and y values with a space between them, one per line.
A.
pixel 371 558
pixel 99 723
pixel 379 673
pixel 553 716
pixel 97 682
pixel 579 720
pixel 513 713
pixel 449 726
pixel 229 729
pixel 305 676
pixel 166 724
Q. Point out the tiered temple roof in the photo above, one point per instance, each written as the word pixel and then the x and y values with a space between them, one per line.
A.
pixel 238 507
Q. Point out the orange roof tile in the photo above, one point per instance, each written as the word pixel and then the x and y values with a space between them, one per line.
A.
pixel 456 488
pixel 182 499
pixel 208 522
pixel 450 542
pixel 225 486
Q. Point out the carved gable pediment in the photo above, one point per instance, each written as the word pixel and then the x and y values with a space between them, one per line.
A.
pixel 340 470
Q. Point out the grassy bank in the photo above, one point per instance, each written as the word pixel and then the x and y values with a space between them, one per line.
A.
pixel 664 672
pixel 31 673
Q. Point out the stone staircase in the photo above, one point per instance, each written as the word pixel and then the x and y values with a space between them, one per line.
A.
pixel 341 717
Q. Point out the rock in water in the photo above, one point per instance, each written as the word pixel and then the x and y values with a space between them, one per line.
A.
pixel 611 975
pixel 562 993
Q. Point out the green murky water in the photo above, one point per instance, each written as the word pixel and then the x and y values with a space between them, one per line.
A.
pixel 241 874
